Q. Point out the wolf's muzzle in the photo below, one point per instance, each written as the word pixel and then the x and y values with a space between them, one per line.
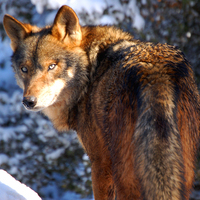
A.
pixel 29 102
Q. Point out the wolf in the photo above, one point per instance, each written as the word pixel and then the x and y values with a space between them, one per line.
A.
pixel 133 104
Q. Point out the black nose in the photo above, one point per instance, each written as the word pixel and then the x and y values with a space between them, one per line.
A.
pixel 29 101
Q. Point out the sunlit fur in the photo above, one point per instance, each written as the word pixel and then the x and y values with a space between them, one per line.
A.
pixel 134 105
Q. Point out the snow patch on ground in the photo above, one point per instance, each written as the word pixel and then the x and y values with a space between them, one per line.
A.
pixel 11 189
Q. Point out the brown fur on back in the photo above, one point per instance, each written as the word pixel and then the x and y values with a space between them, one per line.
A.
pixel 134 105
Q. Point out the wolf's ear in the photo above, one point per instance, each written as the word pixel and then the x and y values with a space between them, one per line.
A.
pixel 15 30
pixel 66 26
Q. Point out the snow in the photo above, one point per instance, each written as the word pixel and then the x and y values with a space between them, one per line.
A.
pixel 55 154
pixel 11 189
pixel 72 196
pixel 95 9
pixel 133 10
pixel 89 6
pixel 3 158
pixel 9 134
pixel 6 74
pixel 107 20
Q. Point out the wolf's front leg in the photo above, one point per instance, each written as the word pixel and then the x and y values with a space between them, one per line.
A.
pixel 102 182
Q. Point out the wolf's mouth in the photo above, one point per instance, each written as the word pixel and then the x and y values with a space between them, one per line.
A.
pixel 31 103
pixel 34 109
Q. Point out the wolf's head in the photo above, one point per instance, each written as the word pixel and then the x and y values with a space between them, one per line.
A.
pixel 48 63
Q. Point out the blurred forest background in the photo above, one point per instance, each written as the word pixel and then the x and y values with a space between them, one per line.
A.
pixel 31 150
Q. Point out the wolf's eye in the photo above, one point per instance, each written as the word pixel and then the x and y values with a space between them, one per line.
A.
pixel 52 66
pixel 24 69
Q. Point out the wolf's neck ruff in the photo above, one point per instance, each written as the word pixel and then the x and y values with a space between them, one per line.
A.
pixel 98 39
